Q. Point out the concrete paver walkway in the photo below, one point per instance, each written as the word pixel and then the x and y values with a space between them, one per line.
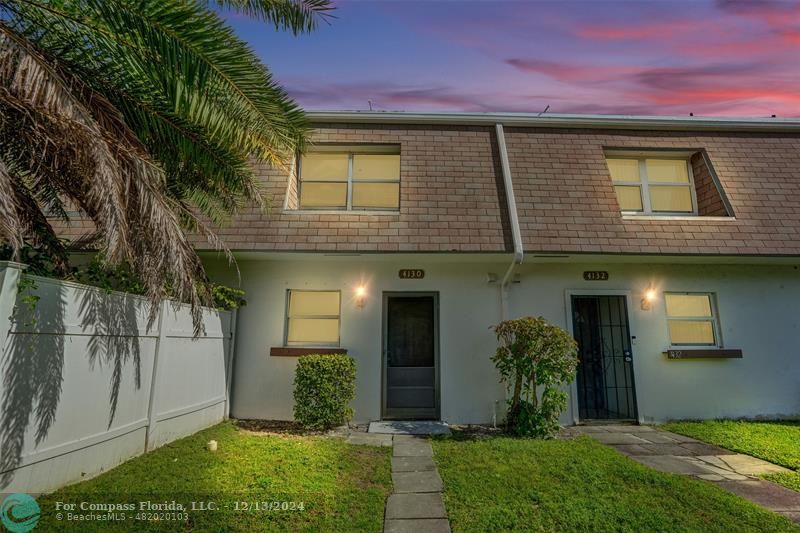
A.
pixel 415 427
pixel 670 452
pixel 415 505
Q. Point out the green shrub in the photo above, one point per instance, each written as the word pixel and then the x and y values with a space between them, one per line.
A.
pixel 121 277
pixel 535 357
pixel 226 298
pixel 323 388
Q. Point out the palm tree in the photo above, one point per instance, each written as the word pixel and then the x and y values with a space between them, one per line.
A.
pixel 143 115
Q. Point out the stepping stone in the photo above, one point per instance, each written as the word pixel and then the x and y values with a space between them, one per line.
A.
pixel 656 437
pixel 711 477
pixel 735 477
pixel 676 437
pixel 668 449
pixel 412 464
pixel 414 506
pixel 749 466
pixel 628 428
pixel 417 482
pixel 701 448
pixel 714 460
pixel 673 464
pixel 413 449
pixel 405 439
pixel 773 497
pixel 369 440
pixel 632 449
pixel 711 469
pixel 434 525
pixel 617 438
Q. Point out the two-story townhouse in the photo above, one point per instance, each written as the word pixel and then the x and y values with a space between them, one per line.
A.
pixel 668 246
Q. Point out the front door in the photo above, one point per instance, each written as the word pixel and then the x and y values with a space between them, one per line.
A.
pixel 605 374
pixel 410 346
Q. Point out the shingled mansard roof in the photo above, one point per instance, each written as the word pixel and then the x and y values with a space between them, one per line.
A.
pixel 453 197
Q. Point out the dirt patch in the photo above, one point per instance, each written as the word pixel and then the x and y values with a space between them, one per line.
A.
pixel 476 432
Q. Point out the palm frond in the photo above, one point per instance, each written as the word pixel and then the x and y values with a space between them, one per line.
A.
pixel 295 15
pixel 10 225
pixel 143 115
pixel 57 129
pixel 194 93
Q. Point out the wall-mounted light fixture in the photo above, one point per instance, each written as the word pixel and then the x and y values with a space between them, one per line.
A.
pixel 361 296
pixel 650 296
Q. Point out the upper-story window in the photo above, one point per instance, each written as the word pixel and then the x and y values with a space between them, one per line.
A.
pixel 361 177
pixel 653 185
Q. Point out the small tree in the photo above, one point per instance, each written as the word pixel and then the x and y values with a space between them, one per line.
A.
pixel 536 357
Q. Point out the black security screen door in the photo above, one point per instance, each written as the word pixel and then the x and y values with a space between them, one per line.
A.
pixel 605 373
pixel 410 352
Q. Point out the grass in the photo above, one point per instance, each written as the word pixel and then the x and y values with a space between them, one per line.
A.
pixel 774 441
pixel 580 485
pixel 342 487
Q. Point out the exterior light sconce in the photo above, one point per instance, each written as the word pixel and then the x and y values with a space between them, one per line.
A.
pixel 361 296
pixel 650 296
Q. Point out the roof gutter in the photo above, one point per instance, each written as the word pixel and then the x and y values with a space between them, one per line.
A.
pixel 553 120
pixel 516 234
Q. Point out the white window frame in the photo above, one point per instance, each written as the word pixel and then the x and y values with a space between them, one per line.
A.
pixel 714 319
pixel 351 151
pixel 286 341
pixel 644 184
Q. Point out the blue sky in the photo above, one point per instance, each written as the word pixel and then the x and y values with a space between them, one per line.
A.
pixel 724 57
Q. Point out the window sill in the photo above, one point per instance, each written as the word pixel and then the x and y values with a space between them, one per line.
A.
pixel 702 353
pixel 677 217
pixel 340 212
pixel 298 351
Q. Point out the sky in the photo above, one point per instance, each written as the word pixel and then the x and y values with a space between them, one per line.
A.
pixel 707 57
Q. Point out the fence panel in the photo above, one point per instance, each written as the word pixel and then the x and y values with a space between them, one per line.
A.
pixel 77 394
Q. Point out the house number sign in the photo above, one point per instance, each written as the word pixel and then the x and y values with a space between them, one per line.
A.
pixel 411 273
pixel 595 275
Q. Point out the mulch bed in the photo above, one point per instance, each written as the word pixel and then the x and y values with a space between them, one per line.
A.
pixel 476 431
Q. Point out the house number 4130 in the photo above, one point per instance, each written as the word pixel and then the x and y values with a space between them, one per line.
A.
pixel 411 273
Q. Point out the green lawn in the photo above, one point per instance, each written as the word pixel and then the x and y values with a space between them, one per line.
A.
pixel 341 487
pixel 500 484
pixel 774 441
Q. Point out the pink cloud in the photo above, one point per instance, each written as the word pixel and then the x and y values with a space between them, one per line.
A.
pixel 565 71
pixel 642 30
pixel 722 94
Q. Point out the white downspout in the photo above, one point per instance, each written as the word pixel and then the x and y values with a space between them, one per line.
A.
pixel 516 235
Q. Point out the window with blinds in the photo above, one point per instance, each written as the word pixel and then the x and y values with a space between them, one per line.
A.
pixel 354 178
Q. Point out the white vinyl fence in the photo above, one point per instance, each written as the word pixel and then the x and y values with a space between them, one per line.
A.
pixel 86 386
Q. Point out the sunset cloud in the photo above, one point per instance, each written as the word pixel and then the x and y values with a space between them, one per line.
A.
pixel 731 57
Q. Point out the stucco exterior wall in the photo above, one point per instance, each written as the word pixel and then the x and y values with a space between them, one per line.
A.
pixel 468 305
pixel 757 307
pixel 758 313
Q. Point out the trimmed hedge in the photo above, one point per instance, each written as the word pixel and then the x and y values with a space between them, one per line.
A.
pixel 323 388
